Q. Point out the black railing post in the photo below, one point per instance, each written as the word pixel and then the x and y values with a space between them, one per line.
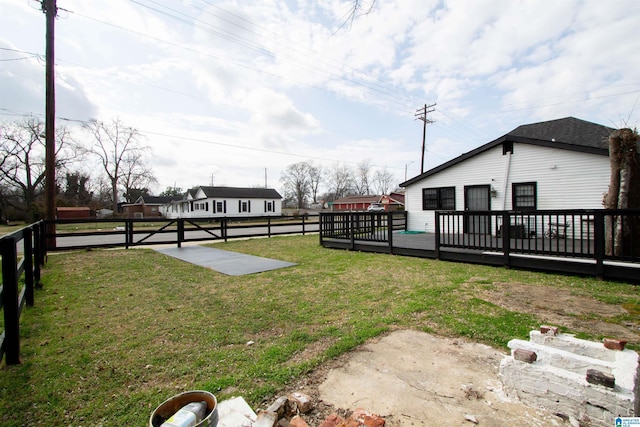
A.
pixel 506 239
pixel 437 237
pixel 269 227
pixel 180 232
pixel 599 242
pixel 390 230
pixel 37 252
pixel 303 230
pixel 320 227
pixel 28 266
pixel 351 230
pixel 10 300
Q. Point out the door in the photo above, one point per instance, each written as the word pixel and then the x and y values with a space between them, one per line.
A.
pixel 477 198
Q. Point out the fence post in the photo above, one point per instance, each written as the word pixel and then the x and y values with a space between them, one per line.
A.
pixel 303 222
pixel 437 242
pixel 28 266
pixel 180 231
pixel 127 233
pixel 320 227
pixel 224 225
pixel 599 242
pixel 10 300
pixel 506 239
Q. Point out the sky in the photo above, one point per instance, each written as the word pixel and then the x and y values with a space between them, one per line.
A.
pixel 233 92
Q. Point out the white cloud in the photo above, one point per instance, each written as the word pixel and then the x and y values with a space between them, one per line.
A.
pixel 230 88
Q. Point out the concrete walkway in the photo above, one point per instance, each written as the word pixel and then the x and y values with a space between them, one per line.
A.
pixel 225 262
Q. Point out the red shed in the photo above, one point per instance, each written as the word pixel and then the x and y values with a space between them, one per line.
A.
pixel 73 212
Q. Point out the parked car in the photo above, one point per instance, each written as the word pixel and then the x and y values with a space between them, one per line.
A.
pixel 374 207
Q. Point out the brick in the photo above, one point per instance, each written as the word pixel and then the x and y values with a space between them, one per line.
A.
pixel 612 344
pixel 549 330
pixel 523 355
pixel 367 418
pixel 597 377
pixel 298 421
pixel 332 420
pixel 301 401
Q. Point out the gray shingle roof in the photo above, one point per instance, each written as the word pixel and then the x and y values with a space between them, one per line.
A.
pixel 568 130
pixel 240 193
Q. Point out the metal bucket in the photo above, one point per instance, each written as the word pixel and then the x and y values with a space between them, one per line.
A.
pixel 173 405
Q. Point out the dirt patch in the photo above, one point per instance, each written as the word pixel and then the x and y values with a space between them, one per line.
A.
pixel 561 307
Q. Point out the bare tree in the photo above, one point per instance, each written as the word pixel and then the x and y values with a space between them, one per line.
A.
pixel 361 179
pixel 382 181
pixel 296 183
pixel 316 174
pixel 624 193
pixel 118 148
pixel 340 181
pixel 22 163
pixel 356 9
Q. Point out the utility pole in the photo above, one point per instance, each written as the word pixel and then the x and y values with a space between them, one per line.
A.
pixel 421 114
pixel 50 8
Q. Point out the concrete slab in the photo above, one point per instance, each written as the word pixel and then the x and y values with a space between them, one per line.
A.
pixel 225 262
pixel 421 380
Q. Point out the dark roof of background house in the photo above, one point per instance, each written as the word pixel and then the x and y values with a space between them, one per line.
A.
pixel 568 133
pixel 240 193
pixel 357 199
pixel 157 200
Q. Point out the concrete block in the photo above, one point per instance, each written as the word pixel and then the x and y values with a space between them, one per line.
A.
pixel 266 419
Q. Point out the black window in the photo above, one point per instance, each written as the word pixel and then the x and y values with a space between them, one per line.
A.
pixel 524 196
pixel 439 198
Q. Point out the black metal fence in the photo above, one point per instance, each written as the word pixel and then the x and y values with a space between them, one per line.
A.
pixel 128 232
pixel 23 253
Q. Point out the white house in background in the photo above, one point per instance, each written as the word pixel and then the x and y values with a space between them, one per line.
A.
pixel 207 202
pixel 558 164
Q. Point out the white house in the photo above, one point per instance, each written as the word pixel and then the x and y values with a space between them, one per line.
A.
pixel 208 202
pixel 558 164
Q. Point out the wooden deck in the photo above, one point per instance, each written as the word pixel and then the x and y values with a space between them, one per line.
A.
pixel 564 256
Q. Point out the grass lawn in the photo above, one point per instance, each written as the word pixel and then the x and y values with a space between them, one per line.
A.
pixel 114 333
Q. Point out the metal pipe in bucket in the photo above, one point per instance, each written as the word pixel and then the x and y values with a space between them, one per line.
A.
pixel 173 405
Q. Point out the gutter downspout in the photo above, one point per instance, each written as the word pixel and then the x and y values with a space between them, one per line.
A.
pixel 506 180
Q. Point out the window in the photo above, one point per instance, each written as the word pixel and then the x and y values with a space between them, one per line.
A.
pixel 244 206
pixel 524 196
pixel 439 198
pixel 269 206
pixel 220 207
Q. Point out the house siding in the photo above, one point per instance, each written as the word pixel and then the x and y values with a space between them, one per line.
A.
pixel 565 179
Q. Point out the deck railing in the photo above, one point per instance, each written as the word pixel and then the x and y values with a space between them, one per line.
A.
pixel 604 243
pixel 590 234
